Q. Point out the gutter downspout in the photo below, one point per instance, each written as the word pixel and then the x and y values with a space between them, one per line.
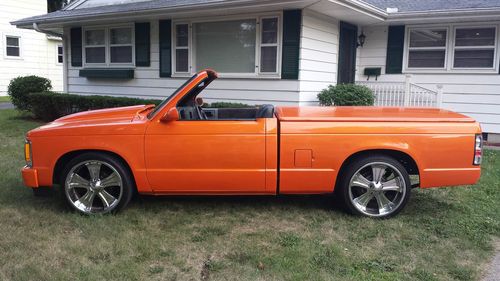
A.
pixel 51 33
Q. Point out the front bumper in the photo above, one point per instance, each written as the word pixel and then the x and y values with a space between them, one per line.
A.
pixel 30 177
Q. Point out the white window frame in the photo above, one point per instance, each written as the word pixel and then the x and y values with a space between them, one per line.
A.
pixel 494 47
pixel 57 54
pixel 107 45
pixel 450 50
pixel 407 50
pixel 20 57
pixel 278 45
pixel 258 44
pixel 175 48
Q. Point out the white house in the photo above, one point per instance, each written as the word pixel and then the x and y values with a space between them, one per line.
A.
pixel 415 53
pixel 27 52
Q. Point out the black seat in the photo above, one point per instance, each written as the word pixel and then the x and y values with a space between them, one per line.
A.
pixel 265 111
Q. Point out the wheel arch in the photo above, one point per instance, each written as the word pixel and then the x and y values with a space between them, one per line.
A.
pixel 64 159
pixel 408 162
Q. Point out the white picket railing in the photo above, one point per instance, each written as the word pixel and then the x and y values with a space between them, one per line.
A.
pixel 403 94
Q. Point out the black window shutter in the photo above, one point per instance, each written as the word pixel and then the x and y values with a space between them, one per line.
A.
pixel 292 21
pixel 395 49
pixel 165 48
pixel 76 46
pixel 142 44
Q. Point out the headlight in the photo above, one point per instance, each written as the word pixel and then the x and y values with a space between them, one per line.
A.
pixel 28 156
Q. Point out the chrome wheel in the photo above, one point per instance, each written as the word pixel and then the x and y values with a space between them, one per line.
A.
pixel 94 187
pixel 377 189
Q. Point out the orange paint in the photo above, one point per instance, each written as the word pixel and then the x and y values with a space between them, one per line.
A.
pixel 309 144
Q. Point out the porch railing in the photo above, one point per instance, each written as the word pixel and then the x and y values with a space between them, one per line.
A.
pixel 404 94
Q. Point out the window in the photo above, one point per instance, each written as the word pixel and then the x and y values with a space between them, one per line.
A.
pixel 109 46
pixel 269 46
pixel 95 46
pixel 474 47
pixel 182 48
pixel 121 45
pixel 427 48
pixel 241 47
pixel 12 46
pixel 227 46
pixel 60 55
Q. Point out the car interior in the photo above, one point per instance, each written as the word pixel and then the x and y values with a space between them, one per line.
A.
pixel 191 107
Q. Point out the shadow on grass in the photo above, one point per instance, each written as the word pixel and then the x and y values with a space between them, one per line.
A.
pixel 423 205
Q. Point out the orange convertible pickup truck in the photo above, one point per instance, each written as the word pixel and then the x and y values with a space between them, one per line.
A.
pixel 370 157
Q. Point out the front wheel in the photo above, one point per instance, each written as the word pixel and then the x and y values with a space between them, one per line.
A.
pixel 96 183
pixel 375 186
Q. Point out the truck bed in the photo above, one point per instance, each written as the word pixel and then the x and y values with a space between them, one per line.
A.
pixel 369 114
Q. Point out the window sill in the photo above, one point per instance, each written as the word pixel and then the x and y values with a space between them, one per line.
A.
pixel 13 58
pixel 110 73
pixel 234 76
pixel 451 71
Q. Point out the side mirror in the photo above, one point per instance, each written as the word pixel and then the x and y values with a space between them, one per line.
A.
pixel 171 115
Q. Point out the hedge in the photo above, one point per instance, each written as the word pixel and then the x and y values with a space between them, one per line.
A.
pixel 346 95
pixel 49 106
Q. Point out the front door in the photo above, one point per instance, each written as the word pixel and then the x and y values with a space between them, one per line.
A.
pixel 207 156
pixel 348 43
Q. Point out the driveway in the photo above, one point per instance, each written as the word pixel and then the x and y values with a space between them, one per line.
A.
pixel 6 105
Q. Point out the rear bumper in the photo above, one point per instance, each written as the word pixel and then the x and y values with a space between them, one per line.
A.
pixel 30 177
pixel 449 177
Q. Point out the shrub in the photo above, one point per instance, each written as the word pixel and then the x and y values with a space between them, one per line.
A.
pixel 49 106
pixel 227 105
pixel 20 88
pixel 346 95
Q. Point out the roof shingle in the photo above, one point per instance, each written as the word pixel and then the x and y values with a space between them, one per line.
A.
pixel 433 5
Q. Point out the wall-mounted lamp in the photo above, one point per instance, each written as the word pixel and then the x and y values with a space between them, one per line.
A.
pixel 361 39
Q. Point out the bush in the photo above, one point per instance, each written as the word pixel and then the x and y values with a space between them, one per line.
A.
pixel 20 88
pixel 49 106
pixel 226 105
pixel 346 95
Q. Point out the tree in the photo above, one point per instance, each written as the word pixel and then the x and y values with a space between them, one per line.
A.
pixel 54 5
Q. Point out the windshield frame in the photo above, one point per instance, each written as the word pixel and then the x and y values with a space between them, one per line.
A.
pixel 159 107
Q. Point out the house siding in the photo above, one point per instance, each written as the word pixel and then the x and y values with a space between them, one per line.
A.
pixel 475 95
pixel 318 55
pixel 148 84
pixel 38 53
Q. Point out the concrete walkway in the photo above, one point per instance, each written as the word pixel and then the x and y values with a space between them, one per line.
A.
pixel 6 105
pixel 493 270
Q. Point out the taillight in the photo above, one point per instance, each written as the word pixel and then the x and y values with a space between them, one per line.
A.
pixel 478 150
pixel 28 156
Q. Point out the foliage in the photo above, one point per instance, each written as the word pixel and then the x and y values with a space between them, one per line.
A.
pixel 20 88
pixel 346 95
pixel 48 106
pixel 443 234
pixel 54 5
pixel 227 105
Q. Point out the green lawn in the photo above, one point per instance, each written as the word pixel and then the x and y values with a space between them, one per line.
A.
pixel 443 234
pixel 4 99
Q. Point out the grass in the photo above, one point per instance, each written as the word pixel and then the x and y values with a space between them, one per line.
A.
pixel 4 99
pixel 443 234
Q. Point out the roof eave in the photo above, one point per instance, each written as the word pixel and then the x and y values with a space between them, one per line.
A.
pixel 443 14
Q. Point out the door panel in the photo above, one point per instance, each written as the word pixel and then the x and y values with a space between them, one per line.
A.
pixel 207 157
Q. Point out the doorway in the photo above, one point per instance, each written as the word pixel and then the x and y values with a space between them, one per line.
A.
pixel 348 43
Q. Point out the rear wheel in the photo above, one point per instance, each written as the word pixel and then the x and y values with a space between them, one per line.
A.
pixel 375 186
pixel 96 183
